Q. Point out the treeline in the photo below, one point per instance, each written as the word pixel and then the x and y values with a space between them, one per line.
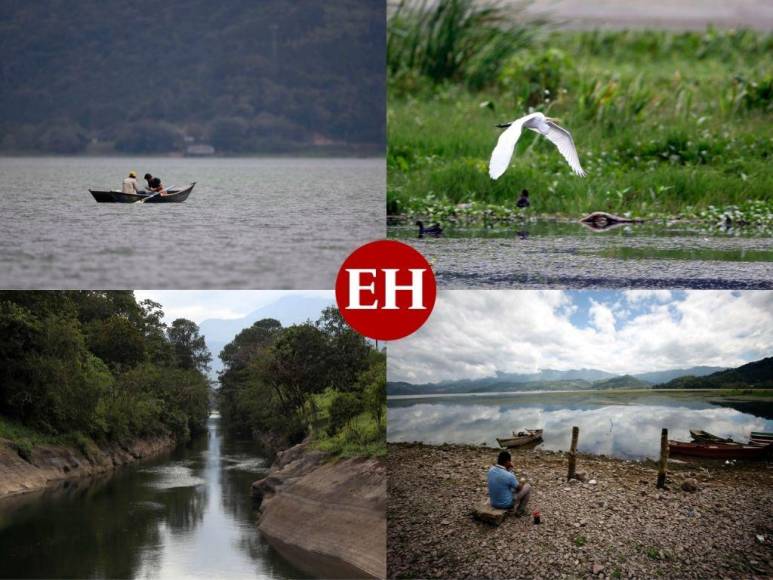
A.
pixel 101 365
pixel 156 77
pixel 281 384
pixel 754 375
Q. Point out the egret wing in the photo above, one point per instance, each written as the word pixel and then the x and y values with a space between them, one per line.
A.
pixel 562 139
pixel 503 152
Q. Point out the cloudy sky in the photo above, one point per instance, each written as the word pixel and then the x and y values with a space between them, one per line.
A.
pixel 473 334
pixel 199 305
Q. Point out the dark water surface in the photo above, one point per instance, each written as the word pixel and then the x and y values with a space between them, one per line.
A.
pixel 621 424
pixel 550 254
pixel 187 515
pixel 249 223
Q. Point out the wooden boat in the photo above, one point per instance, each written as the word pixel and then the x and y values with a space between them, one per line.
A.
pixel 521 438
pixel 761 438
pixel 705 436
pixel 174 196
pixel 718 450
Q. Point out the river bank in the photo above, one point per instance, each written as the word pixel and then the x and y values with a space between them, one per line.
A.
pixel 48 464
pixel 325 515
pixel 619 526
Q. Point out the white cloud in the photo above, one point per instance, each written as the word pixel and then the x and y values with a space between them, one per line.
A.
pixel 199 305
pixel 473 334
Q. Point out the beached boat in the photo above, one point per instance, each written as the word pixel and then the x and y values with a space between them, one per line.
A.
pixel 761 438
pixel 521 438
pixel 718 450
pixel 705 436
pixel 174 195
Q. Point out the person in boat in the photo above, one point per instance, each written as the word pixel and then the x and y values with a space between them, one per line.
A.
pixel 130 184
pixel 154 184
pixel 504 490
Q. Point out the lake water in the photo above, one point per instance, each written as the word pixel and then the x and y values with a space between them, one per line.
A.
pixel 187 515
pixel 249 223
pixel 613 423
pixel 549 254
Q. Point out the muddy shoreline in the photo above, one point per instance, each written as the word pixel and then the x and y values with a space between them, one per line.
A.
pixel 620 526
pixel 49 465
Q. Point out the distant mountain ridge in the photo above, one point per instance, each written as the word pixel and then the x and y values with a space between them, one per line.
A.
pixel 757 374
pixel 288 310
pixel 547 380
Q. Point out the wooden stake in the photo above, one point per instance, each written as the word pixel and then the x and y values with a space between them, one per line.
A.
pixel 663 458
pixel 573 453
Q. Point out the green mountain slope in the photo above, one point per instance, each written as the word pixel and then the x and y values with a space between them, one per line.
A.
pixel 154 77
pixel 757 374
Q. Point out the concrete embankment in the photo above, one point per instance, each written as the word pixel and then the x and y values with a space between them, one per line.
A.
pixel 48 464
pixel 327 516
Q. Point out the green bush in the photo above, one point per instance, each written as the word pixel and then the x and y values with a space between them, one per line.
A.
pixel 343 408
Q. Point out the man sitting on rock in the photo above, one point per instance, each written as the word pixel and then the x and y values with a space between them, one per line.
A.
pixel 504 491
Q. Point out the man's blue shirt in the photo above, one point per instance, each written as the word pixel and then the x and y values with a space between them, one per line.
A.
pixel 501 484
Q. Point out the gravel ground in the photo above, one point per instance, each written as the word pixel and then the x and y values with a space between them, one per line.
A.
pixel 621 526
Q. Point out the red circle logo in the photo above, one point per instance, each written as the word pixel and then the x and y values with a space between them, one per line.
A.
pixel 385 290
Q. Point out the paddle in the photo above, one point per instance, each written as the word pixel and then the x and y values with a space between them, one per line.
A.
pixel 166 189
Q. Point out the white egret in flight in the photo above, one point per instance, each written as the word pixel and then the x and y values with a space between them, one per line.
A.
pixel 539 123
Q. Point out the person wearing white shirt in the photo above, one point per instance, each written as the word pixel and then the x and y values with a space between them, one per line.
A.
pixel 130 184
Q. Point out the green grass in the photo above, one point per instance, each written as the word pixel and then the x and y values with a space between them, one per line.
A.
pixel 363 437
pixel 580 541
pixel 666 124
pixel 25 439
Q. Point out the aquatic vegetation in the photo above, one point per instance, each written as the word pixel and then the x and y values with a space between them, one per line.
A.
pixel 667 124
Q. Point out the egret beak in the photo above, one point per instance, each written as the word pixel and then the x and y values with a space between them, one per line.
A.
pixel 551 119
pixel 503 125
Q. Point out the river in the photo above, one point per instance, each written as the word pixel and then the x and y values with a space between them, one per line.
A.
pixel 624 424
pixel 186 515
pixel 251 223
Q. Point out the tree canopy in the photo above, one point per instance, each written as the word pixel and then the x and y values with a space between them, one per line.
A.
pixel 150 77
pixel 100 364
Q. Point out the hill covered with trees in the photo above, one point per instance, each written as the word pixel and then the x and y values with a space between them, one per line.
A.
pixel 100 366
pixel 149 77
pixel 758 374
pixel 281 384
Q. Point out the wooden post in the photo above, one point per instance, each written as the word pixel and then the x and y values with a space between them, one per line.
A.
pixel 663 458
pixel 573 453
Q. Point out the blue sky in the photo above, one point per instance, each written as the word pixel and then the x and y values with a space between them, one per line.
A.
pixel 475 333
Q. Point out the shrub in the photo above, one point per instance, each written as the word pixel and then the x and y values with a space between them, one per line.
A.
pixel 344 408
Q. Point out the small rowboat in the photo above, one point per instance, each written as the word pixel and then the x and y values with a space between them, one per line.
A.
pixel 173 196
pixel 718 450
pixel 521 438
pixel 761 438
pixel 704 436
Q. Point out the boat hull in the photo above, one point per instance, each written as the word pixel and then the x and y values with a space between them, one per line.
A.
pixel 718 450
pixel 120 197
pixel 520 441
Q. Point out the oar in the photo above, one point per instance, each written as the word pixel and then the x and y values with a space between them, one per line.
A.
pixel 143 200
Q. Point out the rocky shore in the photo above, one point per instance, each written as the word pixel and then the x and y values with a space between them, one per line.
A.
pixel 615 524
pixel 325 515
pixel 49 464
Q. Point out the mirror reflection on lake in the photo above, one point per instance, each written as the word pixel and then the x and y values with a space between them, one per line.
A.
pixel 616 423
pixel 186 515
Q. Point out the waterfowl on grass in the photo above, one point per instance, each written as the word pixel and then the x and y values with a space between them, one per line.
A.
pixel 523 201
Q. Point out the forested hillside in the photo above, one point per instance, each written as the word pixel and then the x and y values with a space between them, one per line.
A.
pixel 281 384
pixel 98 365
pixel 157 77
pixel 758 374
